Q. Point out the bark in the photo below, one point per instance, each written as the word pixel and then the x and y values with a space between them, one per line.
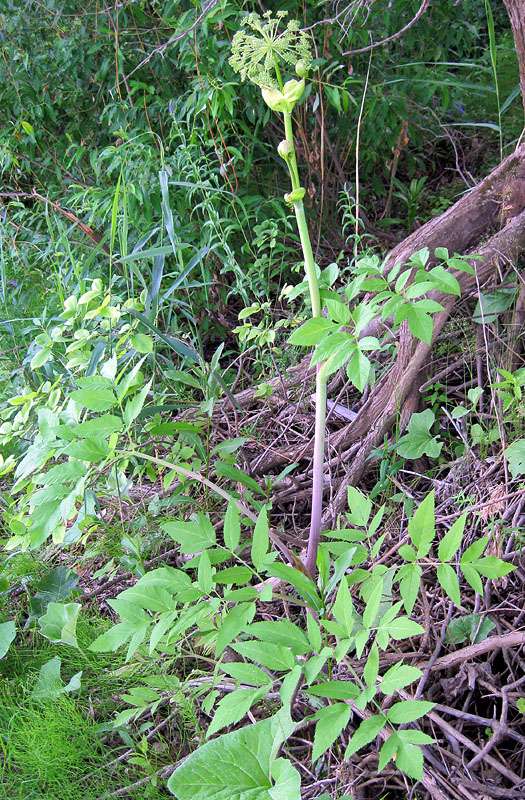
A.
pixel 516 12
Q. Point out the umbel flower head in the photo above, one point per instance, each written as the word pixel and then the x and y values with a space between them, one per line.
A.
pixel 260 55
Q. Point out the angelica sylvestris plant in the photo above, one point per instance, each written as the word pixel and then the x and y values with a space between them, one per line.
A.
pixel 260 56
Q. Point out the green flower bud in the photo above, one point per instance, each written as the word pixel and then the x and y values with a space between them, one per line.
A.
pixel 285 149
pixel 293 90
pixel 295 197
pixel 301 69
pixel 277 101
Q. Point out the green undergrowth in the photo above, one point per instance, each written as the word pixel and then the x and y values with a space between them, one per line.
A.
pixel 60 748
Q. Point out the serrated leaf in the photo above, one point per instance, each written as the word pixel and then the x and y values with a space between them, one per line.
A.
pixel 515 455
pixel 422 526
pixel 420 323
pixel 135 404
pixel 492 567
pixel 204 573
pixel 235 766
pixel 418 440
pixel 451 542
pixel 94 399
pixel 334 690
pixel 192 536
pixel 409 585
pixel 475 551
pixel 247 673
pixel 330 722
pixel 287 781
pixel 99 426
pixel 269 655
pixel 409 759
pixel 372 604
pixel 449 582
pixel 312 331
pixel 371 669
pixel 282 632
pixel 233 623
pixel 399 676
pixel 388 751
pixel 404 628
pixel 233 707
pixel 408 711
pixel 230 575
pixel 366 733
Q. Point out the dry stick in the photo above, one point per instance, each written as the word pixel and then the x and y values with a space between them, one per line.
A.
pixel 515 639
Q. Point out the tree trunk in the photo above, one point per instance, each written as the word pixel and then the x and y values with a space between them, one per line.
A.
pixel 516 12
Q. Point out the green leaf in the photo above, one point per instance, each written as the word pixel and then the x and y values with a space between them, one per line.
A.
pixel 367 732
pixel 449 582
pixel 247 673
pixel 343 610
pixel 409 585
pixel 312 331
pixel 41 357
pixel 233 623
pixel 515 455
pixel 50 685
pixel 409 759
pixel 471 627
pixel 418 440
pixel 235 766
pixel 57 585
pixel 472 577
pixel 420 323
pixel 388 751
pixel 233 707
pixel 94 399
pixel 282 632
pixel 338 311
pixel 492 567
pixel 134 406
pixel 451 542
pixel 314 633
pixel 304 585
pixel 422 526
pixel 358 370
pixel 148 596
pixel 260 540
pixel 287 784
pixel 114 638
pixel 62 473
pixel 335 690
pixel 99 426
pixel 232 527
pixel 92 449
pixel 475 551
pixel 192 536
pixel 408 711
pixel 204 574
pixel 7 634
pixel 28 128
pixel 59 623
pixel 404 628
pixel 330 722
pixel 372 604
pixel 399 676
pixel 237 575
pixel 444 281
pixel 360 507
pixel 269 655
pixel 142 343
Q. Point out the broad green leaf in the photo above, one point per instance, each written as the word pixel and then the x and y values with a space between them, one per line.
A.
pixel 232 527
pixel 448 580
pixel 372 604
pixel 360 507
pixel 338 311
pixel 445 281
pixel 418 440
pixel 148 596
pixel 234 622
pixel 422 526
pixel 399 676
pixel 62 473
pixel 515 455
pixel 475 551
pixel 92 449
pixel 247 673
pixel 312 331
pixel 366 733
pixel 235 766
pixel 50 685
pixel 451 541
pixel 142 343
pixel 237 575
pixel 7 634
pixel 471 627
pixel 99 426
pixel 404 628
pixel 472 577
pixel 59 623
pixel 260 540
pixel 420 323
pixel 304 585
pixel 269 655
pixel 41 357
pixel 492 567
pixel 335 690
pixel 56 586
pixel 192 536
pixel 114 638
pixel 233 707
pixel 330 722
pixel 408 711
pixel 314 633
pixel 95 399
pixel 388 751
pixel 282 632
pixel 409 759
pixel 343 610
pixel 287 781
pixel 358 370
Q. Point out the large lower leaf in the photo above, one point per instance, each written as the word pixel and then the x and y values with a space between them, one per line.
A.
pixel 235 766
